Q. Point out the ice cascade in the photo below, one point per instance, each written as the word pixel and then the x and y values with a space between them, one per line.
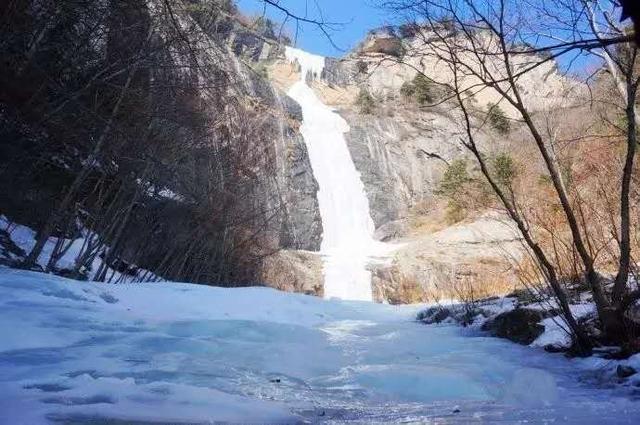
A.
pixel 347 243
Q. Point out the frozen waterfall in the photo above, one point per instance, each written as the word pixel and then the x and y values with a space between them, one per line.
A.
pixel 347 243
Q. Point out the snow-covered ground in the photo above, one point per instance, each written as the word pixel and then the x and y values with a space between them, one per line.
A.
pixel 78 352
pixel 25 238
pixel 597 369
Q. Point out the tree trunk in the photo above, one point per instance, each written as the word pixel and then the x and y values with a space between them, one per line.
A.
pixel 620 285
pixel 116 241
pixel 581 338
pixel 45 232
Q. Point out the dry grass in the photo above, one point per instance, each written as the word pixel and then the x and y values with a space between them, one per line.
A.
pixel 475 281
pixel 592 168
pixel 428 217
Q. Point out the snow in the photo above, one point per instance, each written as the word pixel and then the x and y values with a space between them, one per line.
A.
pixel 152 190
pixel 309 63
pixel 24 237
pixel 597 370
pixel 347 243
pixel 85 352
pixel 555 329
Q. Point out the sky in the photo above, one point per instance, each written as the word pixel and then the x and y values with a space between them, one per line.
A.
pixel 357 17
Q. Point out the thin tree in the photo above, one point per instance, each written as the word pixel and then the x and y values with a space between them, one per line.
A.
pixel 486 47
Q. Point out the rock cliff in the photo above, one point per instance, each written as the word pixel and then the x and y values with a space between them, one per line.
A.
pixel 225 179
pixel 230 78
pixel 402 150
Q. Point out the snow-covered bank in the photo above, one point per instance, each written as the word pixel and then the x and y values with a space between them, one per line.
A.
pixel 77 352
pixel 539 325
pixel 24 239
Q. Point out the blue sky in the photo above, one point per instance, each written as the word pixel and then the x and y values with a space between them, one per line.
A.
pixel 359 17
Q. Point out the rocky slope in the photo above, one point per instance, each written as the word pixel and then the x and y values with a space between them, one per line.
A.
pixel 402 151
pixel 229 165
pixel 472 259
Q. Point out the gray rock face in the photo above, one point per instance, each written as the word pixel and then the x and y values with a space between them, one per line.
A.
pixel 253 45
pixel 400 158
pixel 288 186
pixel 298 223
pixel 383 40
pixel 284 193
pixel 391 230
pixel 339 73
pixel 520 325
pixel 247 45
pixel 301 225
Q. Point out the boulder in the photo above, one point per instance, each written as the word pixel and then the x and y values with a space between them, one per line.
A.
pixel 394 287
pixel 520 325
pixel 392 230
pixel 555 348
pixel 463 314
pixel 625 371
pixel 383 41
pixel 294 271
pixel 434 315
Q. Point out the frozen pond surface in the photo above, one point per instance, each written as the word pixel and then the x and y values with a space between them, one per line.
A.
pixel 91 353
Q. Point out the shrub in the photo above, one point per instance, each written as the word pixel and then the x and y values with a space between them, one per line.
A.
pixel 420 89
pixel 504 169
pixel 454 179
pixel 407 90
pixel 365 102
pixel 456 211
pixel 362 67
pixel 423 89
pixel 498 119
pixel 452 187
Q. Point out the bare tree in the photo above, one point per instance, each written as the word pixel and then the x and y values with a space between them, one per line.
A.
pixel 489 48
pixel 167 160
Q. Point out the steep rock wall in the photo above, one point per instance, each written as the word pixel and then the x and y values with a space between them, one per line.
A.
pixel 291 177
pixel 402 151
pixel 401 158
pixel 202 87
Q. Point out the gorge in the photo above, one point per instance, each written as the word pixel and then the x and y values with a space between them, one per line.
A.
pixel 204 221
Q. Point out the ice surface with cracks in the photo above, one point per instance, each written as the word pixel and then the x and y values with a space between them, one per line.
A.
pixel 347 242
pixel 87 353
